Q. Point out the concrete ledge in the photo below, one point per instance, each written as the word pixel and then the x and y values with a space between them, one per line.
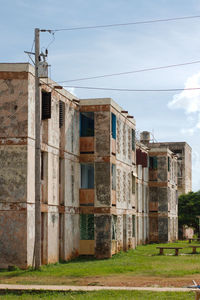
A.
pixel 13 287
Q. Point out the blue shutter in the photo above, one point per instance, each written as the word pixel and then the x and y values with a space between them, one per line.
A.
pixel 113 126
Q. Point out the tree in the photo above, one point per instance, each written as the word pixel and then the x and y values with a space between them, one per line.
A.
pixel 189 209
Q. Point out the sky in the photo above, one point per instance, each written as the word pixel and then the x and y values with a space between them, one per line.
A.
pixel 170 116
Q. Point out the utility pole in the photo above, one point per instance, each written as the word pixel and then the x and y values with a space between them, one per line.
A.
pixel 37 154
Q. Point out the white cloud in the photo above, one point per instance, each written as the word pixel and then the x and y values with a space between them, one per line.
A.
pixel 188 100
pixel 72 91
pixel 189 131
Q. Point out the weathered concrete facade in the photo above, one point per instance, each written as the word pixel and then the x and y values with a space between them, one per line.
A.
pixel 142 190
pixel 163 197
pixel 163 191
pixel 59 194
pixel 184 161
pixel 108 147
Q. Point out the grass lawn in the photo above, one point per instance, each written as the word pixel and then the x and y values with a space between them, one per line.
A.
pixel 100 295
pixel 142 262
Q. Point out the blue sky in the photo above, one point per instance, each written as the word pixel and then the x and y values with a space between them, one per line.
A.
pixel 173 116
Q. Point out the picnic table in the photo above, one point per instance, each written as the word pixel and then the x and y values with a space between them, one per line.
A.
pixel 194 248
pixel 197 239
pixel 197 295
pixel 174 248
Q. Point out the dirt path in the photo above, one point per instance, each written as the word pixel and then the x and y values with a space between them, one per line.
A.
pixel 112 280
pixel 138 281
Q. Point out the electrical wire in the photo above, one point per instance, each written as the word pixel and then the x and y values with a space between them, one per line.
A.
pixel 122 24
pixel 131 72
pixel 52 40
pixel 131 90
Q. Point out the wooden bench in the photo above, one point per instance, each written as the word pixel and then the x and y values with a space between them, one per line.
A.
pixel 197 239
pixel 175 248
pixel 197 295
pixel 194 248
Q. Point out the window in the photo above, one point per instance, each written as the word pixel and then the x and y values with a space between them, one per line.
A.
pixel 46 105
pixel 86 124
pixel 133 226
pixel 86 227
pixel 113 126
pixel 169 163
pixel 153 162
pixel 61 113
pixel 114 227
pixel 60 169
pixel 87 176
pixel 113 177
pixel 133 139
pixel 133 184
pixel 42 165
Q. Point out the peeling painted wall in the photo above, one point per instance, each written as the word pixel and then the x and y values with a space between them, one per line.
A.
pixel 102 236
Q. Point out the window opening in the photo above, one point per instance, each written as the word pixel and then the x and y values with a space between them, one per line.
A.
pixel 133 226
pixel 86 227
pixel 86 124
pixel 133 184
pixel 114 227
pixel 113 126
pixel 42 165
pixel 113 177
pixel 153 162
pixel 87 176
pixel 46 105
pixel 169 163
pixel 133 139
pixel 61 113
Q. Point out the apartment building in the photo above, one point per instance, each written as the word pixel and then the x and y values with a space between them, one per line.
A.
pixel 142 192
pixel 87 171
pixel 107 162
pixel 60 152
pixel 163 191
pixel 184 160
pixel 97 182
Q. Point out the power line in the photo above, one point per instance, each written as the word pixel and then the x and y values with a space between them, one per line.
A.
pixel 122 24
pixel 131 72
pixel 132 90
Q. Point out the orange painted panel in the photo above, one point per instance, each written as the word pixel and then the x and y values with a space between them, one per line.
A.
pixel 86 196
pixel 86 247
pixel 95 108
pixel 114 247
pixel 87 144
pixel 113 197
pixel 153 206
pixel 113 146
